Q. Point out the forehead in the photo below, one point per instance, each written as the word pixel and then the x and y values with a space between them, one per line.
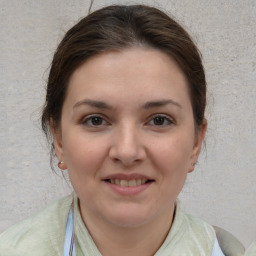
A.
pixel 143 72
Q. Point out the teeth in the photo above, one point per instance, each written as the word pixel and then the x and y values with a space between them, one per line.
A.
pixel 123 183
pixel 132 183
pixel 126 183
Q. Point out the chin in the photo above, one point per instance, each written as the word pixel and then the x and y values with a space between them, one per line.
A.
pixel 130 219
pixel 129 222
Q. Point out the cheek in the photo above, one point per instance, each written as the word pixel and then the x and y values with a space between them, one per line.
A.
pixel 83 155
pixel 173 161
pixel 173 154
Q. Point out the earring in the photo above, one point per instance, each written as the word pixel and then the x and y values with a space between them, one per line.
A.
pixel 60 163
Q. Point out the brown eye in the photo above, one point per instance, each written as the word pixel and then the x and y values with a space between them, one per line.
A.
pixel 94 121
pixel 160 120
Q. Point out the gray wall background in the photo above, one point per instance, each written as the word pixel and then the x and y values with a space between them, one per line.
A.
pixel 222 189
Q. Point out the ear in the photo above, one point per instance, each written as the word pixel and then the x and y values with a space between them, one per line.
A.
pixel 57 140
pixel 198 144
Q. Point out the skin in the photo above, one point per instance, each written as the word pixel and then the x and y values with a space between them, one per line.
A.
pixel 128 112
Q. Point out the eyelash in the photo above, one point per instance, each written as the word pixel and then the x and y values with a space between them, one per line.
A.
pixel 165 118
pixel 88 121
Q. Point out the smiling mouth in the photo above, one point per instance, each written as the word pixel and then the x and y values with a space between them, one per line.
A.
pixel 128 183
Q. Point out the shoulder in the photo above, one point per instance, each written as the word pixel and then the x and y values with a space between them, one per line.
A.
pixel 189 235
pixel 200 232
pixel 40 234
pixel 251 251
pixel 196 227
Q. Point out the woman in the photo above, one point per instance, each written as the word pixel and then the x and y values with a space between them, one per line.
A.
pixel 124 109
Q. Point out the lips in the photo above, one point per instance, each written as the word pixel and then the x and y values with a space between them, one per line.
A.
pixel 123 180
pixel 128 183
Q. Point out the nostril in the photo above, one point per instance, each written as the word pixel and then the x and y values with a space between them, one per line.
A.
pixel 127 153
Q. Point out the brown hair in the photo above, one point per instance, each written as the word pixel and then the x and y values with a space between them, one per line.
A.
pixel 119 27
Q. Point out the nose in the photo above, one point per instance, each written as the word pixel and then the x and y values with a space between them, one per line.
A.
pixel 127 146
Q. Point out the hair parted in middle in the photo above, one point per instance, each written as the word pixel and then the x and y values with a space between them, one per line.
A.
pixel 116 28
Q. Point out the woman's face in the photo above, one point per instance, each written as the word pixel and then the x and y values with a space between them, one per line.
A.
pixel 127 135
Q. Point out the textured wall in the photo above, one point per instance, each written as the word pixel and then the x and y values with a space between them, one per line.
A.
pixel 222 190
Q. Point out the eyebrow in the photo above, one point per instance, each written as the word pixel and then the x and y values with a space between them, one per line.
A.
pixel 147 105
pixel 160 103
pixel 93 103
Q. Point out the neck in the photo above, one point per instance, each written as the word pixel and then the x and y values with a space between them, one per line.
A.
pixel 144 240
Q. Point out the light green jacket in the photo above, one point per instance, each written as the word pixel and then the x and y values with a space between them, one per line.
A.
pixel 251 251
pixel 43 234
